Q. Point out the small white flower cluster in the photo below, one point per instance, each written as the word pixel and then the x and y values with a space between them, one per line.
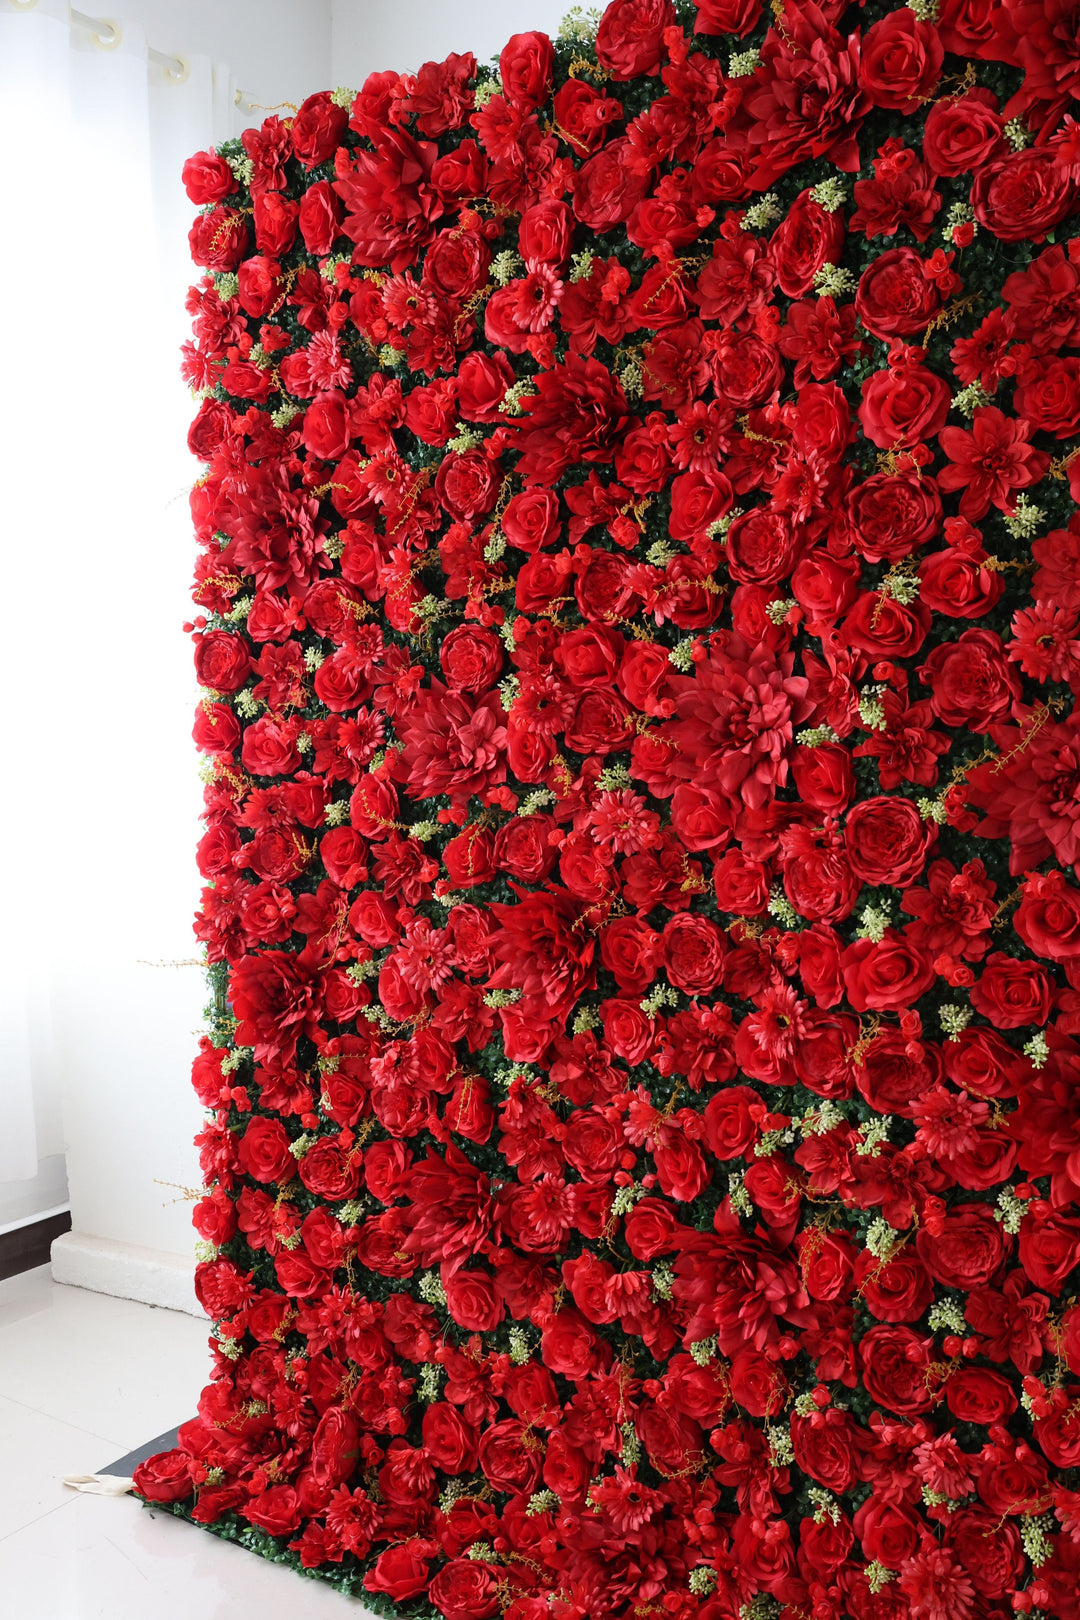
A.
pixel 505 266
pixel 740 1199
pixel 585 1018
pixel 881 1239
pixel 1024 521
pixel 817 737
pixel 1010 1211
pixel 663 1281
pixel 764 212
pixel 831 194
pixel 660 996
pixel 781 1450
pixel 873 1132
pixel 579 26
pixel 969 399
pixel 875 920
pixel 946 1316
pixel 832 281
pixel 630 1451
pixel 581 265
pixel 1035 1534
pixel 502 998
pixel 871 708
pixel 954 1020
pixel 520 1348
pixel 430 1381
pixel 782 909
pixel 742 64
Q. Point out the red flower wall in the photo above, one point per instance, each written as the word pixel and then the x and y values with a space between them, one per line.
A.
pixel 638 610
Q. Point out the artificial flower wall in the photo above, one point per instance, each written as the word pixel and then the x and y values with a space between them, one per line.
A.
pixel 637 617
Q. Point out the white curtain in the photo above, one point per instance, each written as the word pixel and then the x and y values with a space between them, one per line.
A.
pixel 98 792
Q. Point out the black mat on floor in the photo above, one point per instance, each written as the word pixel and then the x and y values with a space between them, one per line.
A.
pixel 125 1466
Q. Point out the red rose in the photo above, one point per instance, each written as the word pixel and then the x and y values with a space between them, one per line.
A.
pixel 991 1551
pixel 1048 919
pixel 904 404
pixel 694 950
pixel 966 1250
pixel 901 61
pixel 889 1530
pixel 1049 397
pixel 277 1510
pixel 895 1073
pixel 891 516
pixel 216 729
pixel 896 1290
pixel 1011 993
pixel 167 1476
pixel 401 1571
pixel 320 218
pixel 465 1589
pixel 762 546
pixel 726 16
pixel 264 1151
pixel 630 39
pixel 607 189
pixel 505 1462
pixel 895 1363
pixel 963 132
pixel 331 1171
pixel 896 297
pixel 877 624
pixel 207 178
pixel 317 128
pixel 956 581
pixel 887 841
pixel 218 240
pixel 977 1395
pixel 270 748
pixel 806 238
pixel 628 951
pixel 887 975
pixel 222 661
pixel 471 659
pixel 972 685
pixel 531 520
pixel 275 223
pixel 826 1262
pixel 826 1446
pixel 1024 195
pixel 526 64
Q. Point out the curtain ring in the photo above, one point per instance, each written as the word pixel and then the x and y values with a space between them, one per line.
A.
pixel 109 41
pixel 176 68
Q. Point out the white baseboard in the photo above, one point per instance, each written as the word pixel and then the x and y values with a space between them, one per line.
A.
pixel 152 1276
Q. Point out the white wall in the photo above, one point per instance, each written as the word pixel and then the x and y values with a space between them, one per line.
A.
pixel 373 35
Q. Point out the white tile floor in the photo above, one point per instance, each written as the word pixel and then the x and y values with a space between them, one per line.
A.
pixel 85 1378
